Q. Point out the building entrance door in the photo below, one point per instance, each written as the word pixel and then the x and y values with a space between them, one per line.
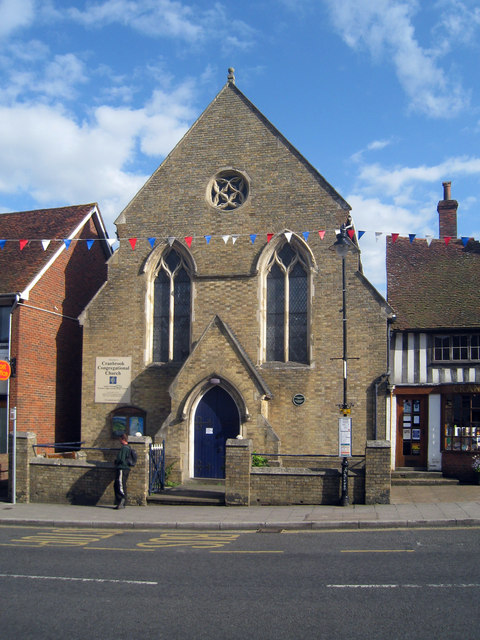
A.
pixel 216 419
pixel 412 432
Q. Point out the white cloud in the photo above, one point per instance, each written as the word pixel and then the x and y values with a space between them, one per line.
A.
pixel 61 76
pixel 169 18
pixel 386 29
pixel 375 216
pixel 31 70
pixel 152 17
pixel 48 154
pixel 378 144
pixel 375 145
pixel 15 14
pixel 458 23
pixel 391 182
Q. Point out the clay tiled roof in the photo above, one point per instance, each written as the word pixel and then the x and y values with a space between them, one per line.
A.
pixel 436 286
pixel 18 268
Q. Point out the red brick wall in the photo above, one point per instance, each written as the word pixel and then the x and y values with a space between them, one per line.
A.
pixel 458 465
pixel 48 345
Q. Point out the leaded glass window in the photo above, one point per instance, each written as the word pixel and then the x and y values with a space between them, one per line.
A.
pixel 287 307
pixel 171 310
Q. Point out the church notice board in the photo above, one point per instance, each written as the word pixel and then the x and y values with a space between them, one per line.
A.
pixel 113 377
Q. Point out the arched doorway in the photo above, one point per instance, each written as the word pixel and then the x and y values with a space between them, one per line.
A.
pixel 216 419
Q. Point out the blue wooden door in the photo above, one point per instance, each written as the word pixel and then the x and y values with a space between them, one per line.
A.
pixel 216 419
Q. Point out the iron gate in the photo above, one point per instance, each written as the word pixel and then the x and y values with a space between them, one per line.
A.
pixel 156 476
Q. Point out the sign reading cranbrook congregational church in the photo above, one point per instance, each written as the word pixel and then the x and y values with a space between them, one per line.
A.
pixel 113 376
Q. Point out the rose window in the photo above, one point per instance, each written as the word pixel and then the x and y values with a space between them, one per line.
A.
pixel 229 190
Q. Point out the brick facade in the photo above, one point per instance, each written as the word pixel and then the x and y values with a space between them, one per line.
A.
pixel 286 193
pixel 47 341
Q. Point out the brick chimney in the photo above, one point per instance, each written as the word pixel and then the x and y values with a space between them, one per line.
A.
pixel 447 213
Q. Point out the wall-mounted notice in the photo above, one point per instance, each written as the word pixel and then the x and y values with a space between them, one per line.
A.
pixel 113 376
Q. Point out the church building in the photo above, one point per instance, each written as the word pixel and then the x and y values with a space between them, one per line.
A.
pixel 222 313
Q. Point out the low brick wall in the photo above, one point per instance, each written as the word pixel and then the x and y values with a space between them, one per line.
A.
pixel 76 481
pixel 296 485
pixel 458 464
pixel 279 485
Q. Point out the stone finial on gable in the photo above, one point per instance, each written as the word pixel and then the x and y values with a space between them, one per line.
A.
pixel 231 75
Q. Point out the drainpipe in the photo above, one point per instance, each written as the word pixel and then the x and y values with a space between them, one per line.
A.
pixel 13 470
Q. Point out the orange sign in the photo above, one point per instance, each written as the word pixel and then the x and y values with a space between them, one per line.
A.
pixel 5 370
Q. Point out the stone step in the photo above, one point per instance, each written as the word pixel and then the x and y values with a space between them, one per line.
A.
pixel 208 492
pixel 175 499
pixel 425 482
pixel 403 477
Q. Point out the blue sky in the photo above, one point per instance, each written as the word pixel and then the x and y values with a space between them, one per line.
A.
pixel 381 96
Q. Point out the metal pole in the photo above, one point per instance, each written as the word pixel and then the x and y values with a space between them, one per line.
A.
pixel 344 324
pixel 344 500
pixel 13 471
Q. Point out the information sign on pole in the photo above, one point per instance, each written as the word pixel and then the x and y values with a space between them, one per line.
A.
pixel 344 437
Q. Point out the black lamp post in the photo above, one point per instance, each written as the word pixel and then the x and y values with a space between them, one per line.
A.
pixel 343 246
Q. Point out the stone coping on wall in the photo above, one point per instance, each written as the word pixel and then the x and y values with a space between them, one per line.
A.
pixel 68 462
pixel 293 471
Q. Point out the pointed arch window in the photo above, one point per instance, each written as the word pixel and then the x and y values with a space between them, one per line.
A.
pixel 287 286
pixel 171 309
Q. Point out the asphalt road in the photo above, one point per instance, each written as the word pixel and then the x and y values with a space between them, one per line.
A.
pixel 93 583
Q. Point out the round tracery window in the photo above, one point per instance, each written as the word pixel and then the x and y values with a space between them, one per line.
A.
pixel 228 190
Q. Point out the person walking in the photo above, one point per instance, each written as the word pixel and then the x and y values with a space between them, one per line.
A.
pixel 122 472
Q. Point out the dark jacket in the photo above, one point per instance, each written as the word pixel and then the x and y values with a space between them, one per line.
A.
pixel 121 460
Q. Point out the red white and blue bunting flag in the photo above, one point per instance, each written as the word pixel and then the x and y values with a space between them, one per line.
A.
pixel 23 243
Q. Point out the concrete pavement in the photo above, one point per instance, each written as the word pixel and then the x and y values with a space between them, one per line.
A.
pixel 411 506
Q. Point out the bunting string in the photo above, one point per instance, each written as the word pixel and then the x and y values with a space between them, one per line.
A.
pixel 23 243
